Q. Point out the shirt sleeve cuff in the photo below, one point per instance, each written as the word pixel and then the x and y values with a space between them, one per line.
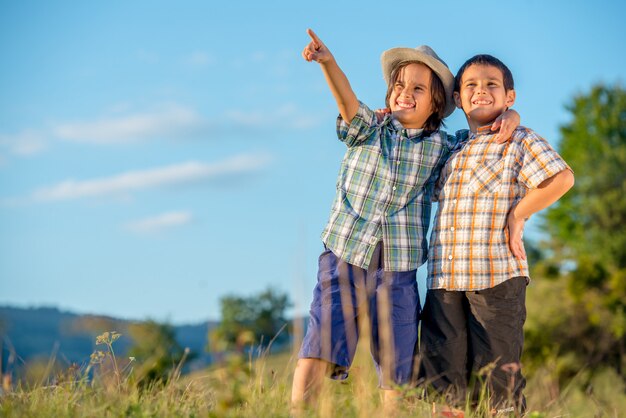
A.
pixel 550 171
pixel 357 130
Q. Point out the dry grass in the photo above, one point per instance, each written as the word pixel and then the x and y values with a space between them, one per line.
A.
pixel 260 387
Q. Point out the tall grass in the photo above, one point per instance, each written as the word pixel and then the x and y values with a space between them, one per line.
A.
pixel 259 386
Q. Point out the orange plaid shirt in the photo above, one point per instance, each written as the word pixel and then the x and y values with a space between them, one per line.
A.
pixel 479 184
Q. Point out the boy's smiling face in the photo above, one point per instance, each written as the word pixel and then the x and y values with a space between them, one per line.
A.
pixel 410 100
pixel 482 95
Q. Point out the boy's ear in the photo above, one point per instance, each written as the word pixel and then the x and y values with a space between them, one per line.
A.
pixel 457 99
pixel 510 98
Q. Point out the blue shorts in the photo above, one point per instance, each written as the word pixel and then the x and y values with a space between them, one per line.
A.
pixel 346 294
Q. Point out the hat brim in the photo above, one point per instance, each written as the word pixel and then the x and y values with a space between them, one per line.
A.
pixel 393 56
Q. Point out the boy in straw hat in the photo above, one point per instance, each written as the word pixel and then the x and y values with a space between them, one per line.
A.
pixel 477 270
pixel 375 237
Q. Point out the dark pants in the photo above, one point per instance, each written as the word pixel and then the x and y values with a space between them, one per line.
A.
pixel 473 341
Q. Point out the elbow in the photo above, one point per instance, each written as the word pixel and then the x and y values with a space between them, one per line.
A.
pixel 348 112
pixel 567 180
pixel 570 179
pixel 347 117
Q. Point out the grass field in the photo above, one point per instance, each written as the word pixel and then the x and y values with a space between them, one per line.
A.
pixel 259 386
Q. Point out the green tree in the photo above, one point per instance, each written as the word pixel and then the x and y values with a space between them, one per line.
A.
pixel 270 315
pixel 245 321
pixel 234 330
pixel 585 317
pixel 156 350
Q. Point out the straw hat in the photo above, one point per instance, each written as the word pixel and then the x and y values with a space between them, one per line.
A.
pixel 426 56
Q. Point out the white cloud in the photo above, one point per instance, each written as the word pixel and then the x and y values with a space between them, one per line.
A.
pixel 199 59
pixel 170 120
pixel 160 222
pixel 133 181
pixel 287 116
pixel 167 121
pixel 177 121
pixel 27 142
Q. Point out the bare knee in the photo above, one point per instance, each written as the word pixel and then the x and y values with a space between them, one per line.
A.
pixel 309 372
pixel 311 366
pixel 307 379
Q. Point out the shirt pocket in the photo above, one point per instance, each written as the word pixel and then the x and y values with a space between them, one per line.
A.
pixel 486 176
pixel 417 165
pixel 361 161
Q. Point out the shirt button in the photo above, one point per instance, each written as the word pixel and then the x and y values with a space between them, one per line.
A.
pixel 449 257
pixel 393 188
pixel 373 240
pixel 454 202
pixel 452 228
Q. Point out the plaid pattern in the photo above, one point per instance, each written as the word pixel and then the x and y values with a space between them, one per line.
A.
pixel 384 191
pixel 481 181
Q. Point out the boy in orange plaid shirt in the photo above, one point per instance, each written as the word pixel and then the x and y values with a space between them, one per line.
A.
pixel 477 269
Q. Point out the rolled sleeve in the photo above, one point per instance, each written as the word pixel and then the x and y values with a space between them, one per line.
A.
pixel 540 162
pixel 359 129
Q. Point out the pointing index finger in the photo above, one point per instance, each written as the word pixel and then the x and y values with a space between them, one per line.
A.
pixel 314 37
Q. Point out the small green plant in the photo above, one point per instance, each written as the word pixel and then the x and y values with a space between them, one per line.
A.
pixel 108 358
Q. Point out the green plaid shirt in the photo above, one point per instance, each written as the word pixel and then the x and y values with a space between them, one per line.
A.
pixel 384 191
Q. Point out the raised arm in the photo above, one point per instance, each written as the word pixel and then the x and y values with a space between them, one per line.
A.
pixel 338 83
pixel 548 192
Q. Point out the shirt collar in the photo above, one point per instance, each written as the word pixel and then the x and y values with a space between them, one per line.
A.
pixel 483 130
pixel 409 132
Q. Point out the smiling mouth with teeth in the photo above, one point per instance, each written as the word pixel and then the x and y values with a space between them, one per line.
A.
pixel 404 105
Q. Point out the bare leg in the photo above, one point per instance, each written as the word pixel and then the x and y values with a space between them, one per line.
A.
pixel 307 382
pixel 391 399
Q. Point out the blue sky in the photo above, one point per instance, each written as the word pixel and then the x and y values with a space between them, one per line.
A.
pixel 155 156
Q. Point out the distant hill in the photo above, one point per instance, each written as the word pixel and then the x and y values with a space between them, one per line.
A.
pixel 31 333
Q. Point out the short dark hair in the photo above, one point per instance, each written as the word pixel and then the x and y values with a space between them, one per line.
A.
pixel 485 59
pixel 437 93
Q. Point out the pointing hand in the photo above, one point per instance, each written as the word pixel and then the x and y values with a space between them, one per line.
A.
pixel 316 50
